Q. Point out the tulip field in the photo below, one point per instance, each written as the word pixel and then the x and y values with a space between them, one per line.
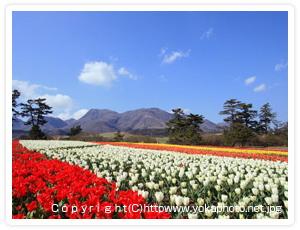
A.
pixel 84 180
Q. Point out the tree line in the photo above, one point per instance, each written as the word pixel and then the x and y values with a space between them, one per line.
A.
pixel 245 126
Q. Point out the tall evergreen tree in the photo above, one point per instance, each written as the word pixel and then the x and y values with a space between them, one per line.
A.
pixel 15 95
pixel 266 116
pixel 241 135
pixel 230 108
pixel 176 126
pixel 35 110
pixel 193 133
pixel 118 136
pixel 184 129
pixel 246 116
pixel 75 130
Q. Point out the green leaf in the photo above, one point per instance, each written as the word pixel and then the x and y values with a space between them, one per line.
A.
pixel 178 215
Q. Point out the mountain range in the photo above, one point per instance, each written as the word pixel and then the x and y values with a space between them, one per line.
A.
pixel 104 120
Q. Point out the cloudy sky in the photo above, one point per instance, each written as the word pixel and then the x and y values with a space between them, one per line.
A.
pixel 129 60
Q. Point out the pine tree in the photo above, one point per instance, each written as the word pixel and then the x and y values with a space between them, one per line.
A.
pixel 15 95
pixel 266 116
pixel 230 108
pixel 246 116
pixel 35 110
pixel 75 130
pixel 184 129
pixel 118 136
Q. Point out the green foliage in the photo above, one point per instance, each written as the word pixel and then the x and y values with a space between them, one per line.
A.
pixel 36 133
pixel 35 110
pixel 266 116
pixel 240 135
pixel 118 137
pixel 246 116
pixel 230 108
pixel 244 126
pixel 75 130
pixel 15 95
pixel 214 139
pixel 184 129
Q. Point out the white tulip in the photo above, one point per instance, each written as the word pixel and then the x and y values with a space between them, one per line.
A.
pixel 224 198
pixel 268 200
pixel 255 191
pixel 192 216
pixel 159 196
pixel 140 185
pixel 238 191
pixel 274 215
pixel 178 200
pixel 174 180
pixel 145 194
pixel 195 186
pixel 275 198
pixel 268 187
pixel 186 201
pixel 161 183
pixel 172 199
pixel 259 216
pixel 200 201
pixel 286 204
pixel 208 213
pixel 184 191
pixel 230 182
pixel 275 191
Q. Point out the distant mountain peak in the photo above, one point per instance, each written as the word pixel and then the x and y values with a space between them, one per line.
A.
pixel 105 120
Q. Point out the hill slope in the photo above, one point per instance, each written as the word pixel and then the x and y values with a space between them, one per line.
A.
pixel 104 120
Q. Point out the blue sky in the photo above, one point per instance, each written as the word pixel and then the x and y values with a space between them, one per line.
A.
pixel 129 60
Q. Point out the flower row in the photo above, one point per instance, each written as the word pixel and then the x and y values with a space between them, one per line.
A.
pixel 222 152
pixel 43 188
pixel 172 178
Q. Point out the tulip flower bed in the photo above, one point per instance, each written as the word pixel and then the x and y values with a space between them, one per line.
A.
pixel 272 155
pixel 51 189
pixel 167 178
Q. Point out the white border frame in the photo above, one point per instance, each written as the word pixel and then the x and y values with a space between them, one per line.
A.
pixel 291 104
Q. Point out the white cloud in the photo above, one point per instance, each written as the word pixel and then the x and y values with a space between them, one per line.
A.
pixel 63 116
pixel 250 80
pixel 98 73
pixel 262 87
pixel 123 71
pixel 80 113
pixel 168 59
pixel 207 34
pixel 28 91
pixel 280 66
pixel 185 111
pixel 59 102
pixel 162 51
pixel 77 115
